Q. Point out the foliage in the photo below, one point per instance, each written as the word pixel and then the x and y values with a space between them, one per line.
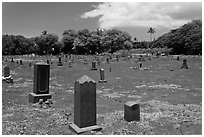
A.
pixel 185 40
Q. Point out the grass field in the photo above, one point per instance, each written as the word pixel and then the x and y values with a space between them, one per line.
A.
pixel 170 98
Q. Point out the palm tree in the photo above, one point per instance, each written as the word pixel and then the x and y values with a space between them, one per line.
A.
pixel 151 31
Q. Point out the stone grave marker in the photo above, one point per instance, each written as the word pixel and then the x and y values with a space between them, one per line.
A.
pixel 48 62
pixel 7 71
pixel 117 58
pixel 102 76
pixel 107 60
pixel 70 64
pixel 21 62
pixel 12 60
pixel 30 64
pixel 60 61
pixel 94 65
pixel 85 61
pixel 7 76
pixel 17 62
pixel 140 65
pixel 40 83
pixel 131 111
pixel 84 105
pixel 177 58
pixel 184 66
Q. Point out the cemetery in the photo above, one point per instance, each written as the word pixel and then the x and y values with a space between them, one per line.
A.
pixel 121 95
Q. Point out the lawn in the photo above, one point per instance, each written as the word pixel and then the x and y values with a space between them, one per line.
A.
pixel 170 98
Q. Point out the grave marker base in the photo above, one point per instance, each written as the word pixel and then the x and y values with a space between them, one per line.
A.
pixel 102 81
pixel 79 130
pixel 34 98
pixel 7 79
pixel 59 64
pixel 93 68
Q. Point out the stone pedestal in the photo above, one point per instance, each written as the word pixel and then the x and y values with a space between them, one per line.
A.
pixel 102 76
pixel 84 105
pixel 60 62
pixel 70 64
pixel 94 65
pixel 184 66
pixel 41 83
pixel 131 111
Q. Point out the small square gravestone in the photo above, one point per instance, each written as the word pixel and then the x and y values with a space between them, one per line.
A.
pixel 41 83
pixel 131 111
pixel 84 105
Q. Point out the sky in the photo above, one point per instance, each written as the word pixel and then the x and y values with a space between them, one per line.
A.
pixel 29 19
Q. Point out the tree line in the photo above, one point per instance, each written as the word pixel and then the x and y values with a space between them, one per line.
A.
pixel 184 40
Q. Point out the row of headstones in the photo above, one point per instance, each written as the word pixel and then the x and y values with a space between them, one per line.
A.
pixel 84 99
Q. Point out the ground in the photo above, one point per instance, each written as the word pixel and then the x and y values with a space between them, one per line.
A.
pixel 170 98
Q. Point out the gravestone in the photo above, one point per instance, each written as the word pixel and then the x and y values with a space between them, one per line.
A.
pixel 94 65
pixel 85 61
pixel 110 69
pixel 12 60
pixel 41 83
pixel 6 71
pixel 98 63
pixel 131 111
pixel 21 62
pixel 30 64
pixel 117 58
pixel 17 62
pixel 60 61
pixel 107 60
pixel 7 76
pixel 177 58
pixel 66 55
pixel 184 66
pixel 140 65
pixel 102 76
pixel 48 62
pixel 70 64
pixel 84 105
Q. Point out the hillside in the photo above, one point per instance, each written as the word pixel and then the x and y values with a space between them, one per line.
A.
pixel 185 40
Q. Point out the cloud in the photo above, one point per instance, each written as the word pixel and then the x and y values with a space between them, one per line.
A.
pixel 168 15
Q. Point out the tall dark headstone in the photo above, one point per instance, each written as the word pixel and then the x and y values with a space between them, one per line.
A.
pixel 84 105
pixel 94 65
pixel 41 83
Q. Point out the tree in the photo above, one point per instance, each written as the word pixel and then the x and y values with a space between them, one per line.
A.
pixel 151 31
pixel 68 40
pixel 45 42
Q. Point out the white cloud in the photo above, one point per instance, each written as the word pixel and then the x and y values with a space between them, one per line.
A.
pixel 118 14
